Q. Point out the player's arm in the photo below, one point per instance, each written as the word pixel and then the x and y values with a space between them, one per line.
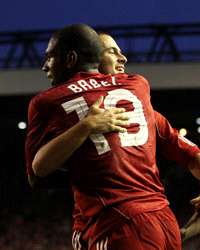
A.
pixel 55 153
pixel 57 180
pixel 192 227
pixel 175 147
pixel 196 203
pixel 60 177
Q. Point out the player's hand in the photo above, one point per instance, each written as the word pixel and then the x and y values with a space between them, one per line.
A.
pixel 196 202
pixel 106 120
pixel 192 227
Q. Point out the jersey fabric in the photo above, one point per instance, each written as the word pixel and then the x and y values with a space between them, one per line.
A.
pixel 172 146
pixel 145 231
pixel 112 230
pixel 113 170
pixel 117 166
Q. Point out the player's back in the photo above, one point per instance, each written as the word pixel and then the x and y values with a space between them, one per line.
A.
pixel 114 167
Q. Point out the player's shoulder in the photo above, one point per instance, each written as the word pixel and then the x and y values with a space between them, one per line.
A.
pixel 138 77
pixel 134 77
pixel 47 95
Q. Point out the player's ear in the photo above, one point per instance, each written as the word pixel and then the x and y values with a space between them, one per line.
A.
pixel 71 59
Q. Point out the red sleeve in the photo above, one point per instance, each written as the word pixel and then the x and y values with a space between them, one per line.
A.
pixel 34 136
pixel 172 145
pixel 145 81
pixel 46 120
pixel 40 130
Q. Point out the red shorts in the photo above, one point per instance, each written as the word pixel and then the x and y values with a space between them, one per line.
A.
pixel 157 230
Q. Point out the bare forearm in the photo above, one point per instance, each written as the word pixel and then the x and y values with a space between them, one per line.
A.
pixel 56 152
pixel 52 155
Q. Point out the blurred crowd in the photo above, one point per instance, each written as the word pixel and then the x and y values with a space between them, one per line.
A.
pixel 46 227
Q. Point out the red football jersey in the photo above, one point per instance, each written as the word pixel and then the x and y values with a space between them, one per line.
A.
pixel 108 169
pixel 172 146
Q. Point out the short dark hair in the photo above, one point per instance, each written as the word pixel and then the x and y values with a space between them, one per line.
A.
pixel 82 39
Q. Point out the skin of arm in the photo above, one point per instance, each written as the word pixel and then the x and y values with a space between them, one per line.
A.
pixel 55 153
pixel 58 150
pixel 196 203
pixel 192 227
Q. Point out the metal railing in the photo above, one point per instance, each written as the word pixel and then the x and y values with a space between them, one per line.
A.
pixel 140 43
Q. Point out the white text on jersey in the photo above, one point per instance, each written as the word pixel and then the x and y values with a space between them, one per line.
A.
pixel 83 85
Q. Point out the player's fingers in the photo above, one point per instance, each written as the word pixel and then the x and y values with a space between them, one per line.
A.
pixel 116 110
pixel 192 230
pixel 95 108
pixel 98 102
pixel 123 117
pixel 121 123
pixel 183 232
pixel 197 205
pixel 195 200
pixel 117 129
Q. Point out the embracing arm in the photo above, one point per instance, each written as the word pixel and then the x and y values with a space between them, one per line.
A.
pixel 176 147
pixel 192 227
pixel 49 159
pixel 55 153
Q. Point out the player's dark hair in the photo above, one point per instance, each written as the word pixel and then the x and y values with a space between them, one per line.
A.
pixel 83 40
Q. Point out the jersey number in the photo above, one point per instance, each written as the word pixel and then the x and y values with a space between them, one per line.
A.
pixel 136 116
